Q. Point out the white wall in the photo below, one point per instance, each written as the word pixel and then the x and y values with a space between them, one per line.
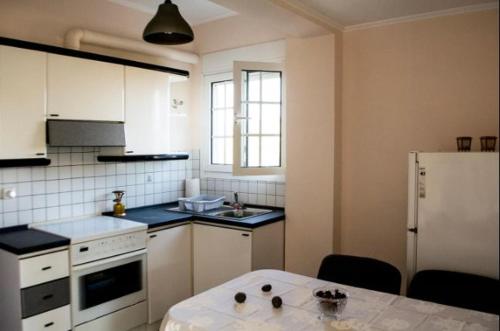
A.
pixel 310 152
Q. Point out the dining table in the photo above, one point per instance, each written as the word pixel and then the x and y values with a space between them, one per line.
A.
pixel 366 310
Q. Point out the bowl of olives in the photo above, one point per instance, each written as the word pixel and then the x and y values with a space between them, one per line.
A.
pixel 331 301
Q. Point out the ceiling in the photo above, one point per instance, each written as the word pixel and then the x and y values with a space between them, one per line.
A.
pixel 354 12
pixel 196 12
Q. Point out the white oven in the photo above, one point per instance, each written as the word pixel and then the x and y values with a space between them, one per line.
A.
pixel 108 271
pixel 108 285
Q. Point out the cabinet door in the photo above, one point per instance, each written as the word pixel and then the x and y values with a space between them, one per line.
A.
pixel 146 111
pixel 169 269
pixel 220 254
pixel 22 103
pixel 81 89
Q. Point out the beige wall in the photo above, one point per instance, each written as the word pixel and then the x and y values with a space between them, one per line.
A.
pixel 408 86
pixel 310 140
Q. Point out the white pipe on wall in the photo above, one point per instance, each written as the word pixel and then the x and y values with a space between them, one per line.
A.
pixel 74 37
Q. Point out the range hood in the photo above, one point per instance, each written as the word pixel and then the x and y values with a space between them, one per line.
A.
pixel 77 133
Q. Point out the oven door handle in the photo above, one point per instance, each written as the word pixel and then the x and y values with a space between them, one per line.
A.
pixel 108 260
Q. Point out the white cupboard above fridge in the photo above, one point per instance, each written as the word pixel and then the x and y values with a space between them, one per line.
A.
pixel 82 89
pixel 22 103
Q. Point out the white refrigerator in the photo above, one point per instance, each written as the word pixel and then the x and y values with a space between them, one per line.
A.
pixel 453 213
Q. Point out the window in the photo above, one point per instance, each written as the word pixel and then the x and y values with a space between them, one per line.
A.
pixel 261 118
pixel 221 122
pixel 258 130
pixel 245 121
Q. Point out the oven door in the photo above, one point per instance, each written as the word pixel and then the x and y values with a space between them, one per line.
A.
pixel 102 287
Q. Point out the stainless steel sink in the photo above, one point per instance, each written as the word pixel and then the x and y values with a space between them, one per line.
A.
pixel 239 214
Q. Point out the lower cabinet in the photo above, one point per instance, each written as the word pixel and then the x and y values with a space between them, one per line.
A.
pixel 221 254
pixel 35 291
pixel 169 269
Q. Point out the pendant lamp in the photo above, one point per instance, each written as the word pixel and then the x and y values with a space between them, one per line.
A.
pixel 168 27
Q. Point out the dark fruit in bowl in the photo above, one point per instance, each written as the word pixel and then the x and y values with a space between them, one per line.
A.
pixel 267 288
pixel 240 297
pixel 277 302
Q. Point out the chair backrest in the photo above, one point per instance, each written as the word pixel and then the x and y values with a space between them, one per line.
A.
pixel 361 272
pixel 456 289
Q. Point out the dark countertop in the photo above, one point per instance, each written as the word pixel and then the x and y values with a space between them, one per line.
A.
pixel 22 240
pixel 158 215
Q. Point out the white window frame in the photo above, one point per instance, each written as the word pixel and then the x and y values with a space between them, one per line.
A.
pixel 238 170
pixel 206 127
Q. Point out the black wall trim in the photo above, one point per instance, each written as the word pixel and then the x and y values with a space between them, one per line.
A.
pixel 90 56
pixel 135 158
pixel 24 162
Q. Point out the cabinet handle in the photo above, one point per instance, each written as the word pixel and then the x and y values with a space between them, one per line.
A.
pixel 153 236
pixel 46 268
pixel 48 296
pixel 129 152
pixel 245 234
pixel 54 115
pixel 40 154
pixel 48 324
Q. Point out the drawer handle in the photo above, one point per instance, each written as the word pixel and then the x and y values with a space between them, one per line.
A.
pixel 152 236
pixel 46 268
pixel 54 115
pixel 245 234
pixel 48 296
pixel 48 324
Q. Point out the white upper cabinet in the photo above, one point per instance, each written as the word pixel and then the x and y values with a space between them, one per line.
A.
pixel 22 103
pixel 146 111
pixel 81 89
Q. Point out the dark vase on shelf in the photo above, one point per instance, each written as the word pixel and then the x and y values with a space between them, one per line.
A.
pixel 464 144
pixel 488 143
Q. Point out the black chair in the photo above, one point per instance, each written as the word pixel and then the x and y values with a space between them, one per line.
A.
pixel 456 289
pixel 362 272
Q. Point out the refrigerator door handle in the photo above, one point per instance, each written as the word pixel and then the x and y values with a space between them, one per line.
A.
pixel 421 182
pixel 414 230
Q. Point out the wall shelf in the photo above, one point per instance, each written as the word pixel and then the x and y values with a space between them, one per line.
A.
pixel 136 158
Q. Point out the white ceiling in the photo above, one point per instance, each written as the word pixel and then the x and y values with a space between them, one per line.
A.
pixel 195 12
pixel 353 12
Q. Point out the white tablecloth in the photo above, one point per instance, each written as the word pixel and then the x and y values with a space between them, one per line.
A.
pixel 366 310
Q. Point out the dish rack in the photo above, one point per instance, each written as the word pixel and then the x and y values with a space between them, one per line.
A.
pixel 201 203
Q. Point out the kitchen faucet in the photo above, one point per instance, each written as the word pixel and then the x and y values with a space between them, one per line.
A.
pixel 236 204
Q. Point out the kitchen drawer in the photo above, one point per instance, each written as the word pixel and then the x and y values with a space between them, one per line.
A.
pixel 53 320
pixel 44 268
pixel 41 298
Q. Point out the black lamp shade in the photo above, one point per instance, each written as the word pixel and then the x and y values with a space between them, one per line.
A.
pixel 168 27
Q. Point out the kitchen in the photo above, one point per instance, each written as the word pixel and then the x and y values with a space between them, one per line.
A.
pixel 80 66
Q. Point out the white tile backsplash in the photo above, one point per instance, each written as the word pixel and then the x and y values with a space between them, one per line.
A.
pixel 75 184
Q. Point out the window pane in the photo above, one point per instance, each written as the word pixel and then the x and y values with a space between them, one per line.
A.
pixel 254 118
pixel 218 122
pixel 218 95
pixel 244 80
pixel 271 86
pixel 270 152
pixel 271 118
pixel 229 151
pixel 254 86
pixel 229 121
pixel 229 94
pixel 218 150
pixel 253 151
